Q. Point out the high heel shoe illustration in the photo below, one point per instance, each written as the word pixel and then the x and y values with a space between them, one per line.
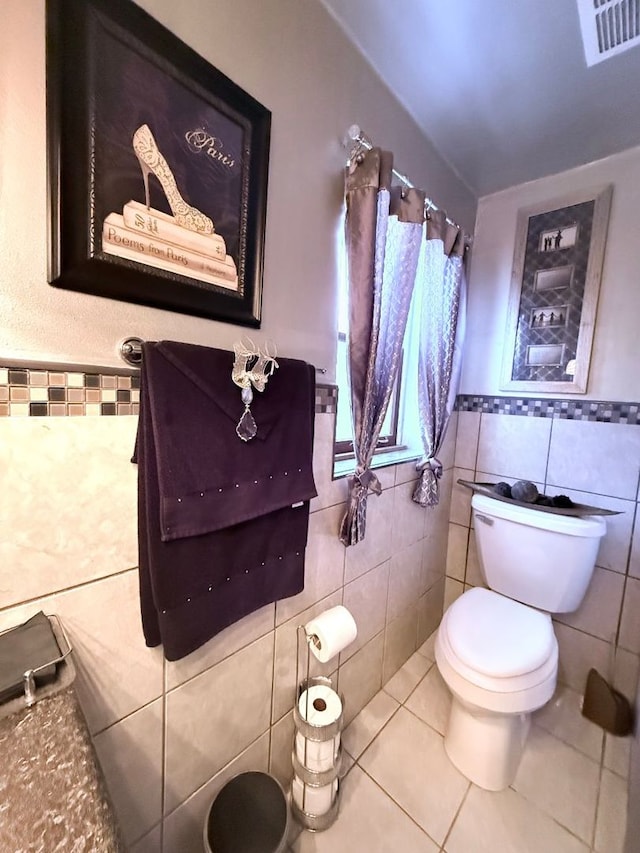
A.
pixel 151 160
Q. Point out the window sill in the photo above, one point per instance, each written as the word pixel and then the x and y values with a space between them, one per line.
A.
pixel 345 467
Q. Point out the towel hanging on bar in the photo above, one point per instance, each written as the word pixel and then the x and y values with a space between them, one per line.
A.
pixel 219 535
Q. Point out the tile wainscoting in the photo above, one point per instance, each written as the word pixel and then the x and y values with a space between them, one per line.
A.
pixel 169 734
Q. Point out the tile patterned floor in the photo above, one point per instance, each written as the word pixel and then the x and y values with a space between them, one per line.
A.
pixel 401 794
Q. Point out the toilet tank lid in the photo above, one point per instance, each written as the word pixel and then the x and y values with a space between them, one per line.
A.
pixel 589 526
pixel 497 636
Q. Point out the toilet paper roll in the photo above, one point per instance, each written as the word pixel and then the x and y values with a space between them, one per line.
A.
pixel 331 632
pixel 315 801
pixel 320 705
pixel 320 755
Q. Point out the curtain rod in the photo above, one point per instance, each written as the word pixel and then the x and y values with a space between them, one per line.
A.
pixel 356 139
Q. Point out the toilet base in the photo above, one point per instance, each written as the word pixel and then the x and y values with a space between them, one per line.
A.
pixel 486 747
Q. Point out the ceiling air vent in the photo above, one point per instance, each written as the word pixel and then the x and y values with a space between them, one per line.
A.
pixel 608 27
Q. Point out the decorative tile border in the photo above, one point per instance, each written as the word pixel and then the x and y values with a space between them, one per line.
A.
pixel 326 399
pixel 35 392
pixel 573 410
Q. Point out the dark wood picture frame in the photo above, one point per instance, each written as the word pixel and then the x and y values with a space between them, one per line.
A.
pixel 157 167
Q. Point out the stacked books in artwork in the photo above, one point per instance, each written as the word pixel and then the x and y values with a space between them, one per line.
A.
pixel 151 237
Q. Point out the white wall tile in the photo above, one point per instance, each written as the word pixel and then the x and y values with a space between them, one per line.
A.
pixel 130 754
pixel 401 641
pixel 406 473
pixel 430 610
pixel 467 440
pixel 452 589
pixel 366 599
pixel 617 754
pixel 578 652
pixel 213 717
pixel 600 609
pixel 69 500
pixel 634 560
pixel 183 828
pixel 630 622
pixel 375 548
pixel 461 497
pixel 405 576
pixel 614 546
pixel 447 452
pixel 514 446
pixel 473 575
pixel 323 565
pixel 116 672
pixel 434 555
pixel 360 678
pixel 457 551
pixel 626 669
pixel 595 457
pixel 281 747
pixel 408 518
pixel 330 491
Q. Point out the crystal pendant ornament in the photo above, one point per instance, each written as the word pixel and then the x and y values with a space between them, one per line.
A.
pixel 247 428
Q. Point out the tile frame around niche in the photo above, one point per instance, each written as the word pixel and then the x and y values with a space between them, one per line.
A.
pixel 45 392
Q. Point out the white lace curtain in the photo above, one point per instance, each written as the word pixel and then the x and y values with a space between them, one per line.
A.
pixel 442 286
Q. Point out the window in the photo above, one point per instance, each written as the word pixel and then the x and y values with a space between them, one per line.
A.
pixel 400 436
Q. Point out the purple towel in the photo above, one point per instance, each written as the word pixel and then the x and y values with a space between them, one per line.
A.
pixel 218 535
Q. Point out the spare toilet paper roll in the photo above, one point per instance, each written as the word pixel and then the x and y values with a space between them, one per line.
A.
pixel 320 755
pixel 315 801
pixel 331 632
pixel 320 705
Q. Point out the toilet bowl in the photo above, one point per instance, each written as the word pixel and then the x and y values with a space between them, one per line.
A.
pixel 499 659
pixel 495 647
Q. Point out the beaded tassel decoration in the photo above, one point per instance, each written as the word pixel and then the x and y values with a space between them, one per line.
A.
pixel 251 367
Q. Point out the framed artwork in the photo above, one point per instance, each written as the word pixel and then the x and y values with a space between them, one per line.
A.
pixel 157 167
pixel 555 282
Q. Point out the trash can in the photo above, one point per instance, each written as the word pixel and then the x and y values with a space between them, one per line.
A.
pixel 250 814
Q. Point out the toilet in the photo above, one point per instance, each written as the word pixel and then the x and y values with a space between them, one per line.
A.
pixel 495 648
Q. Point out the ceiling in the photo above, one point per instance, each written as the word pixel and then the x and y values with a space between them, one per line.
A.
pixel 501 87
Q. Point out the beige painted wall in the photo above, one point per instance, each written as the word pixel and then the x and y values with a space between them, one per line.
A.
pixel 291 56
pixel 613 374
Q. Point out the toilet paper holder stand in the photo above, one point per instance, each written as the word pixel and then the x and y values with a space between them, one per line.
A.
pixel 310 778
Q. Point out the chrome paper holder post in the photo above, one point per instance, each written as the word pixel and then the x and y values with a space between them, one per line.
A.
pixel 307 777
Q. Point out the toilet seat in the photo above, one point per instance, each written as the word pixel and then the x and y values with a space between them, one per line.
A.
pixel 497 636
pixel 527 658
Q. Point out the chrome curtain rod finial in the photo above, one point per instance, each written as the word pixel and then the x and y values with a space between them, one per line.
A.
pixel 357 142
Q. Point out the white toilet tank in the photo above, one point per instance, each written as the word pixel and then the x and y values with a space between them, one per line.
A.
pixel 540 558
